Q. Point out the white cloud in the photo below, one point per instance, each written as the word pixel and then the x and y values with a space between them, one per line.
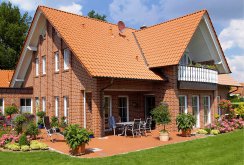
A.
pixel 136 12
pixel 74 8
pixel 27 5
pixel 237 67
pixel 233 35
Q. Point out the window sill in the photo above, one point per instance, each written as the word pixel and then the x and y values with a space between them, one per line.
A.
pixel 56 72
pixel 37 76
pixel 66 70
pixel 43 75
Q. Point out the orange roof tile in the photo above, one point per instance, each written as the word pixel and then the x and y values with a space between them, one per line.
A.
pixel 99 47
pixel 5 77
pixel 227 79
pixel 164 44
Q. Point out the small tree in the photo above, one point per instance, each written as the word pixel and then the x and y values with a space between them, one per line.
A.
pixel 10 110
pixel 161 115
pixel 93 14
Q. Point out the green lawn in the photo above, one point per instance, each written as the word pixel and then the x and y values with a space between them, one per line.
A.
pixel 222 149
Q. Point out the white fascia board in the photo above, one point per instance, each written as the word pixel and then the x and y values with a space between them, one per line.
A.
pixel 32 48
pixel 218 48
pixel 22 57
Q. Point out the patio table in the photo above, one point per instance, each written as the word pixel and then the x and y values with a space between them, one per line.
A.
pixel 125 126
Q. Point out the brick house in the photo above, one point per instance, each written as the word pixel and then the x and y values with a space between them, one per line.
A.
pixel 87 70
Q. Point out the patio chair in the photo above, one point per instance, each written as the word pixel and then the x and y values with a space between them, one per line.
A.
pixel 112 124
pixel 49 130
pixel 135 128
pixel 147 126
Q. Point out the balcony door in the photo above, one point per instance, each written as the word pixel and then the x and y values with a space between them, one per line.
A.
pixel 123 107
pixel 195 110
pixel 207 111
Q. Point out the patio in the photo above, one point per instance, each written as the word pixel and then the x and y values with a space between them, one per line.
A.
pixel 114 145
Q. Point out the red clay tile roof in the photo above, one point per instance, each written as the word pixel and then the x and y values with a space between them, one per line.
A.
pixel 164 44
pixel 5 77
pixel 227 79
pixel 99 47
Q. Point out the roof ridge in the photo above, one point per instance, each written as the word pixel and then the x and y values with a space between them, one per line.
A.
pixel 86 17
pixel 174 19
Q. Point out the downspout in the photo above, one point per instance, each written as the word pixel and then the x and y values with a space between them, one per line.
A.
pixel 84 112
pixel 233 90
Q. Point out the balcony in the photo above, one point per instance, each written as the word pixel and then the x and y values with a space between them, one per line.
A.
pixel 194 74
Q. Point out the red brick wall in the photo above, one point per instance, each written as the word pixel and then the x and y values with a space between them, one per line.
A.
pixel 223 91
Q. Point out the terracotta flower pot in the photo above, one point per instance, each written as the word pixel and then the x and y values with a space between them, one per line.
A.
pixel 186 133
pixel 80 150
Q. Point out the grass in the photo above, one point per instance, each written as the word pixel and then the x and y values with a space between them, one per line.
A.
pixel 218 150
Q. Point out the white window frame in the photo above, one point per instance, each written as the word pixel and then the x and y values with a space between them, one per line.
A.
pixel 110 106
pixel 37 66
pixel 44 60
pixel 209 110
pixel 44 104
pixel 66 59
pixel 185 109
pixel 56 106
pixel 24 108
pixel 66 108
pixel 127 98
pixel 2 106
pixel 198 111
pixel 56 56
pixel 219 110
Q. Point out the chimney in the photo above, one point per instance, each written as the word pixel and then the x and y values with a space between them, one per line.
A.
pixel 143 27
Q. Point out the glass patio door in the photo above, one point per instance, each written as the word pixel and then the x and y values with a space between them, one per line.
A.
pixel 206 107
pixel 195 109
pixel 107 110
pixel 123 109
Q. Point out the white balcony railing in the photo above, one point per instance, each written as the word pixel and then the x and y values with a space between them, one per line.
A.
pixel 186 73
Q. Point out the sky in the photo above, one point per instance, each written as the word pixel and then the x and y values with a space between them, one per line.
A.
pixel 227 17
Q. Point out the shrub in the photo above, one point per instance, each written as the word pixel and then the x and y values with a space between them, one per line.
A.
pixel 240 110
pixel 32 130
pixel 13 147
pixel 63 123
pixel 161 115
pixel 202 131
pixel 7 138
pixel 25 148
pixel 214 132
pixel 34 142
pixel 29 117
pixel 35 146
pixel 208 130
pixel 23 140
pixel 54 122
pixel 43 146
pixel 10 110
pixel 40 114
pixel 19 121
pixel 76 136
pixel 185 121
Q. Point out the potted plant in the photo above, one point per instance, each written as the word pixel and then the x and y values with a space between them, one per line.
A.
pixel 62 124
pixel 162 116
pixel 76 138
pixel 9 111
pixel 185 123
pixel 40 115
pixel 32 130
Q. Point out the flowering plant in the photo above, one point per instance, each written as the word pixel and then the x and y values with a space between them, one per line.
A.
pixel 7 138
pixel 225 105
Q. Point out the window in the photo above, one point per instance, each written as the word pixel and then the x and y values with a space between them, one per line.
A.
pixel 37 104
pixel 56 106
pixel 185 60
pixel 206 107
pixel 1 106
pixel 123 108
pixel 43 64
pixel 66 59
pixel 56 62
pixel 66 108
pixel 183 104
pixel 44 104
pixel 37 67
pixel 107 110
pixel 195 109
pixel 219 110
pixel 25 105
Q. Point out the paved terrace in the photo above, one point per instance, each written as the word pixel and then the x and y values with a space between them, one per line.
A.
pixel 114 145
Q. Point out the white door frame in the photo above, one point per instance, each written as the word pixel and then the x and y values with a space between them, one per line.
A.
pixel 198 111
pixel 127 98
pixel 186 109
pixel 209 109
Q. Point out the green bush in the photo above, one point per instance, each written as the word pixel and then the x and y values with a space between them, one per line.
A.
pixel 54 122
pixel 23 140
pixel 35 146
pixel 34 142
pixel 240 110
pixel 40 114
pixel 202 131
pixel 185 121
pixel 214 132
pixel 13 146
pixel 63 123
pixel 25 148
pixel 18 122
pixel 43 146
pixel 32 130
pixel 161 115
pixel 208 130
pixel 10 110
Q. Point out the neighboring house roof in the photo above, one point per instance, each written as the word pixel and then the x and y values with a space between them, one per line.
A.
pixel 227 79
pixel 240 90
pixel 99 47
pixel 5 77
